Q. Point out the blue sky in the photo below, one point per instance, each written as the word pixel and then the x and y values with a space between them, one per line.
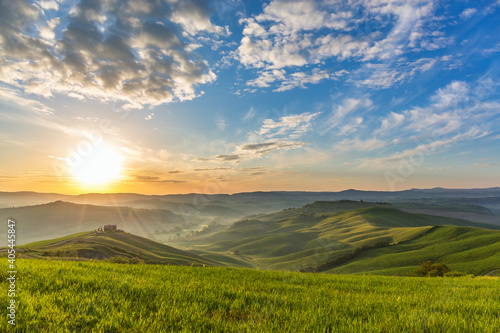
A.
pixel 233 96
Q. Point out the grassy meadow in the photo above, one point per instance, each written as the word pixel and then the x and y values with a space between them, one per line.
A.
pixel 68 296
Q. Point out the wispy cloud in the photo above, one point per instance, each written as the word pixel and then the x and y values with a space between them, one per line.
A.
pixel 360 145
pixel 259 149
pixel 226 158
pixel 154 179
pixel 13 97
pixel 484 165
pixel 423 149
pixel 390 122
pixel 341 111
pixel 250 114
pixel 293 126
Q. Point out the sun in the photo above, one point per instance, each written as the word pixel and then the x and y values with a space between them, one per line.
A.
pixel 101 166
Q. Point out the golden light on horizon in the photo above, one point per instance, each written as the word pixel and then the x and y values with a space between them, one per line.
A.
pixel 100 167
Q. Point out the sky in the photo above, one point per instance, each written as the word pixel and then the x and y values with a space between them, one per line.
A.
pixel 161 97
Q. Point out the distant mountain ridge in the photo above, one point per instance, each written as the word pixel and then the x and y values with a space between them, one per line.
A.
pixel 28 197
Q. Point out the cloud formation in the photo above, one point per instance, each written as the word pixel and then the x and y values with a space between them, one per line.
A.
pixel 292 34
pixel 263 148
pixel 294 125
pixel 140 52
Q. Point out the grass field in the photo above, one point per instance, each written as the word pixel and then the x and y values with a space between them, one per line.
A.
pixel 62 296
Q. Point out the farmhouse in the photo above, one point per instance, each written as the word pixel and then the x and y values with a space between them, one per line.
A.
pixel 107 227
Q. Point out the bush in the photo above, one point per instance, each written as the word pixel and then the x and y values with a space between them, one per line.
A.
pixel 124 260
pixel 454 274
pixel 431 269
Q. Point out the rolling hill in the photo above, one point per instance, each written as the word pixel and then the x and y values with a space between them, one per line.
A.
pixel 118 246
pixel 464 249
pixel 336 236
pixel 317 233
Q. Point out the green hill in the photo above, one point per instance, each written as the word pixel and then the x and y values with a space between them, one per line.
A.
pixel 298 238
pixel 392 217
pixel 464 249
pixel 115 245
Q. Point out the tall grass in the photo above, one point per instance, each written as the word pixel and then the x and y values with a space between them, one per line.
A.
pixel 58 296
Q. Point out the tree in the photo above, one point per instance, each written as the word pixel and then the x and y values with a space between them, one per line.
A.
pixel 429 268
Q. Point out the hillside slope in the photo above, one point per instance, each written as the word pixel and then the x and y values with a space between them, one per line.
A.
pixel 302 237
pixel 111 244
pixel 464 249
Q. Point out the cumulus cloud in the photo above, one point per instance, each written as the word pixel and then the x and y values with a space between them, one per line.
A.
pixel 292 34
pixel 140 52
pixel 468 13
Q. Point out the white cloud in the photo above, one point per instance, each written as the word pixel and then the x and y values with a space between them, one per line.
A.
pixel 300 79
pixel 293 126
pixel 48 5
pixel 423 149
pixel 389 123
pixel 291 34
pixel 383 75
pixel 221 123
pixel 340 111
pixel 360 145
pixel 250 114
pixel 453 94
pixel 468 13
pixel 351 126
pixel 267 77
pixel 47 31
pixel 11 97
pixel 139 52
pixel 272 136
pixel 252 150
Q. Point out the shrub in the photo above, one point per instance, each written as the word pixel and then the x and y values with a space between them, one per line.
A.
pixel 430 268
